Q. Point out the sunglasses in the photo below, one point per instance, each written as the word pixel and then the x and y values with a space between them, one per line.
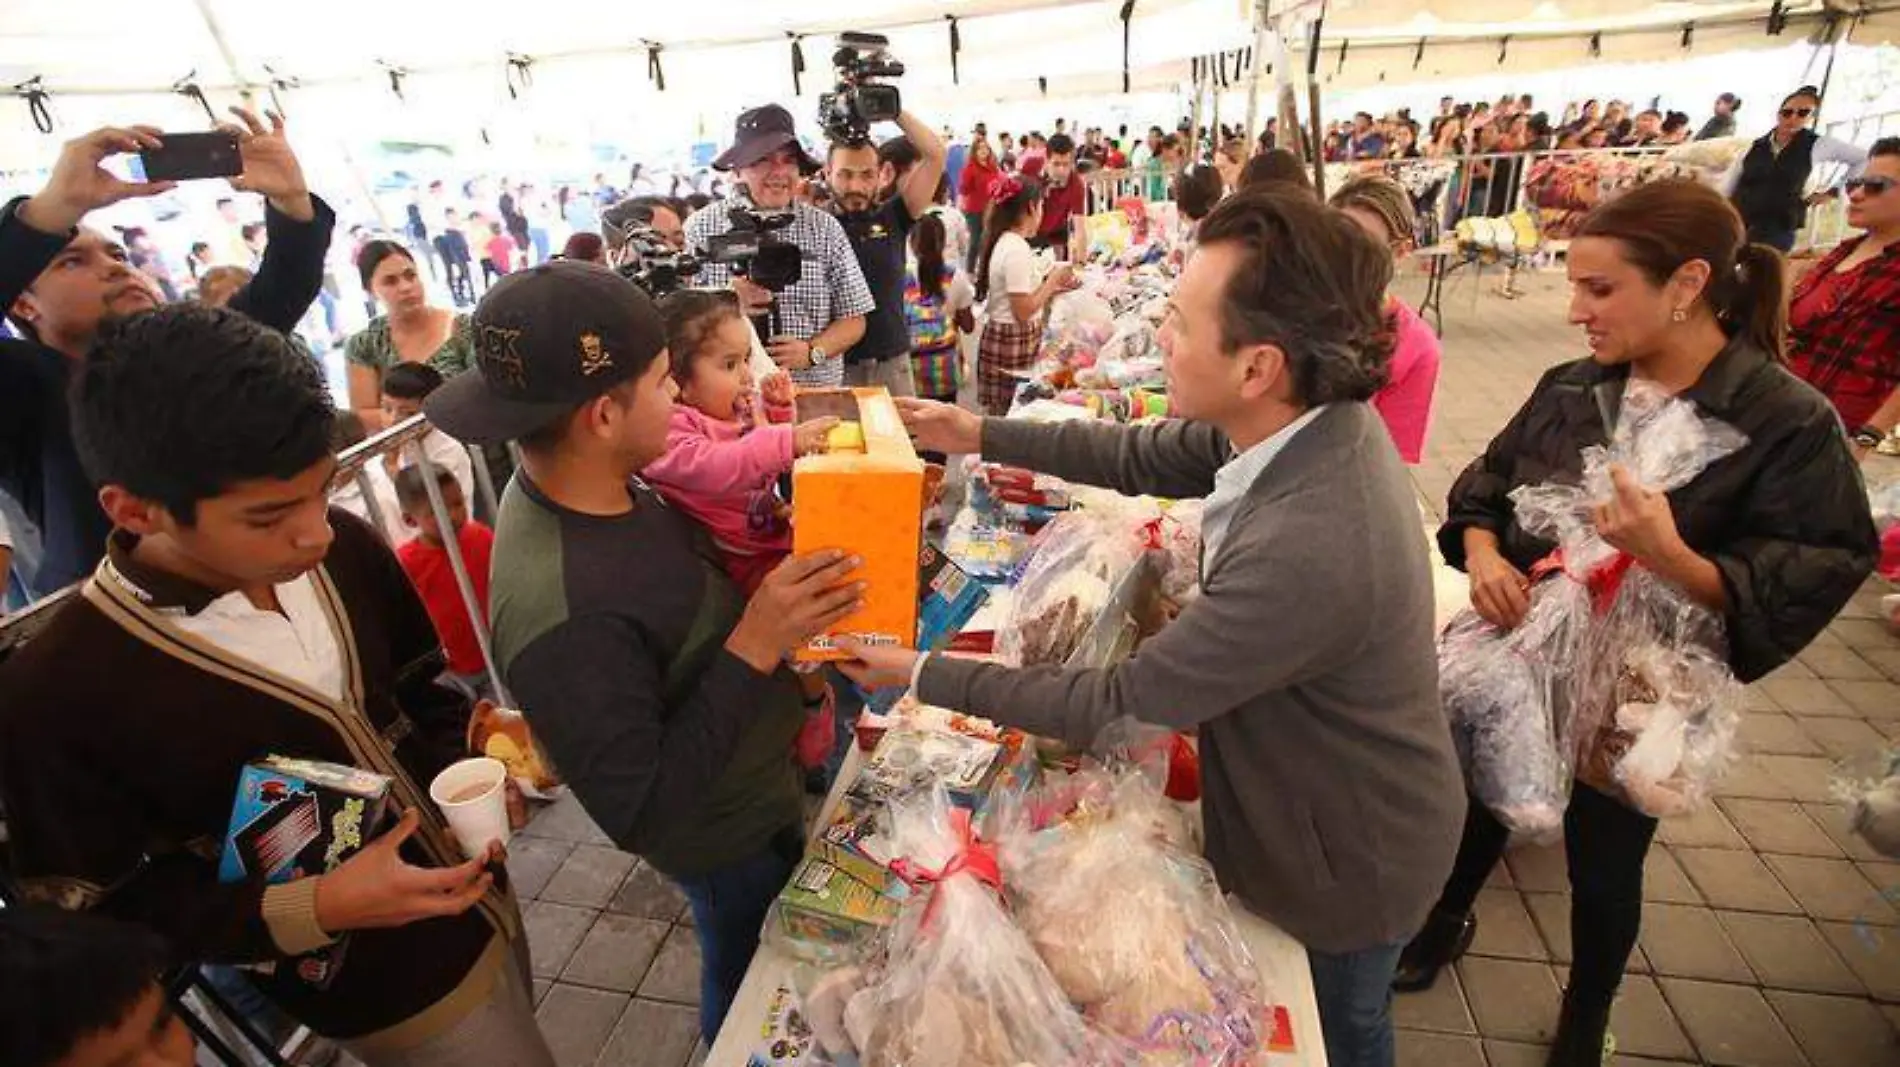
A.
pixel 1792 112
pixel 1871 186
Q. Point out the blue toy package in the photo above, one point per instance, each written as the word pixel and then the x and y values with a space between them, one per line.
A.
pixel 296 818
pixel 950 599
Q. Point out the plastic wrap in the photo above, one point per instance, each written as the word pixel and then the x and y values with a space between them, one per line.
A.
pixel 1068 580
pixel 1677 713
pixel 963 987
pixel 1080 325
pixel 1869 784
pixel 1165 970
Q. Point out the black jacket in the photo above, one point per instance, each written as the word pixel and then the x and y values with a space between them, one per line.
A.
pixel 39 467
pixel 1785 519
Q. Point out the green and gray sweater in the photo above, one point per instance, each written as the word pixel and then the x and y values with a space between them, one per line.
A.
pixel 611 631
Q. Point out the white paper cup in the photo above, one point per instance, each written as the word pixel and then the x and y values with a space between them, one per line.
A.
pixel 473 797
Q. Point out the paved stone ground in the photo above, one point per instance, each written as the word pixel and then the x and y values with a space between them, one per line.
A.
pixel 1771 937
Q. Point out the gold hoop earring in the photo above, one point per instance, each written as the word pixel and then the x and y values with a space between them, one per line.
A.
pixel 1679 315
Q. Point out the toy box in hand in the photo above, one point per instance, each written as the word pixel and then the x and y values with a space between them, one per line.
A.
pixel 868 500
pixel 907 759
pixel 296 818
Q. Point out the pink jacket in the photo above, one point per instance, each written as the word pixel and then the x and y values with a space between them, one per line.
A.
pixel 722 474
pixel 1406 402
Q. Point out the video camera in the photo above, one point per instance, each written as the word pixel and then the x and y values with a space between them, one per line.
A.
pixel 859 101
pixel 754 251
pixel 649 262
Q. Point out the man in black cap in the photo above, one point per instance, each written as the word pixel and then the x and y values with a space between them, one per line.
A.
pixel 819 317
pixel 659 692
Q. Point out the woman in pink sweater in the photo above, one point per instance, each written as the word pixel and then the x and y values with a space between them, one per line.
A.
pixel 723 463
pixel 1382 208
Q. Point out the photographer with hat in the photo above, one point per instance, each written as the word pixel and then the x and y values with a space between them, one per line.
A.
pixel 821 315
pixel 857 169
pixel 659 692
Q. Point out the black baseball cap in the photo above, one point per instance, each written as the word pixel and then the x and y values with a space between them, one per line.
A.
pixel 761 132
pixel 547 340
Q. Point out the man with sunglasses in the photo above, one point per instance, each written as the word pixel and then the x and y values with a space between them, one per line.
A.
pixel 1769 182
pixel 1844 317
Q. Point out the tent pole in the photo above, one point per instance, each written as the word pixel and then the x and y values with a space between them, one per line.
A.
pixel 1827 72
pixel 216 31
pixel 1312 102
pixel 1253 81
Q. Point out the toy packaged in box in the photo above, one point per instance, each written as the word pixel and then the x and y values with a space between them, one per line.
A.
pixel 824 912
pixel 950 599
pixel 908 759
pixel 855 843
pixel 296 818
pixel 868 499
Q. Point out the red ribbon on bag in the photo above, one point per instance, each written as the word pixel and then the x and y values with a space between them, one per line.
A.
pixel 974 858
pixel 1604 580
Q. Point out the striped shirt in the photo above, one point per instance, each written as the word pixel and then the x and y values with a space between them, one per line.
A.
pixel 830 285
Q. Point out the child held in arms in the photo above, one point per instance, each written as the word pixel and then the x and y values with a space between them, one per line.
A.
pixel 425 558
pixel 723 461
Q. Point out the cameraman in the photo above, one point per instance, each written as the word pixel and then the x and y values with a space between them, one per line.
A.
pixel 656 212
pixel 879 232
pixel 822 314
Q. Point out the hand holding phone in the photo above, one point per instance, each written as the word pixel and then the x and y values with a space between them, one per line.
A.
pixel 80 183
pixel 191 156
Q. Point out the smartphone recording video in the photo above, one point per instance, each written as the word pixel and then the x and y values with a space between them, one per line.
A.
pixel 190 156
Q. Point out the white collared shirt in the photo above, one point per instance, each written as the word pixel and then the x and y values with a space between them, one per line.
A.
pixel 298 644
pixel 1232 481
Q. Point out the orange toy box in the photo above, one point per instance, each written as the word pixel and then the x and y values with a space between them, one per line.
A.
pixel 864 496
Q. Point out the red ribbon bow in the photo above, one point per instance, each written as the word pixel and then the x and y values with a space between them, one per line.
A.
pixel 974 858
pixel 1603 581
pixel 1004 186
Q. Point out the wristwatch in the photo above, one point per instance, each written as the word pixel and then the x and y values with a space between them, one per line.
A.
pixel 818 356
pixel 1869 436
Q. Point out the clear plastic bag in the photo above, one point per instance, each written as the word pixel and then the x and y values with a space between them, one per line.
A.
pixel 1677 713
pixel 1080 324
pixel 1164 970
pixel 1869 784
pixel 1068 580
pixel 963 987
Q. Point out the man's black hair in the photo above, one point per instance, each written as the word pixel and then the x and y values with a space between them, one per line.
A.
pixel 67 975
pixel 411 381
pixel 900 152
pixel 1061 145
pixel 179 404
pixel 412 488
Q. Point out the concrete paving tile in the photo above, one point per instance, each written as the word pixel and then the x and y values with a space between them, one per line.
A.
pixel 1664 879
pixel 1885 876
pixel 1539 868
pixel 616 953
pixel 1837 1031
pixel 1840 663
pixel 1748 778
pixel 589 878
pixel 1863 633
pixel 1788 952
pixel 1834 821
pixel 566 820
pixel 576 1022
pixel 1440 1009
pixel 1776 733
pixel 541 987
pixel 1755 698
pixel 1731 1025
pixel 532 861
pixel 1644 1025
pixel 1736 880
pixel 674 975
pixel 1884 660
pixel 652 1034
pixel 1516 1053
pixel 649 894
pixel 1779 825
pixel 1686 942
pixel 1833 889
pixel 1551 913
pixel 1705 827
pixel 1871 952
pixel 1504 927
pixel 1806 696
pixel 554 932
pixel 1874 700
pixel 1792 671
pixel 1807 778
pixel 1511 999
pixel 1418 1048
pixel 1846 738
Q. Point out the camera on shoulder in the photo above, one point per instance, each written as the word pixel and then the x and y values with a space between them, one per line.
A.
pixel 861 99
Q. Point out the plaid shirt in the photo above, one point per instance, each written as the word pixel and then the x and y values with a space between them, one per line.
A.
pixel 1844 331
pixel 830 285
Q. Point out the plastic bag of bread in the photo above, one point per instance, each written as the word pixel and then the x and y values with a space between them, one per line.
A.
pixel 1067 582
pixel 962 986
pixel 503 734
pixel 1678 711
pixel 1133 928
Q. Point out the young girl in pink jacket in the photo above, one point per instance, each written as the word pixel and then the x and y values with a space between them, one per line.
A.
pixel 1383 209
pixel 723 461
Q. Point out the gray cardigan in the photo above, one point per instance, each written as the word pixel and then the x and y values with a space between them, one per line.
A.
pixel 1331 793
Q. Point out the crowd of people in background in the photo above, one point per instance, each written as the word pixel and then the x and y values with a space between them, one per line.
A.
pixel 1515 125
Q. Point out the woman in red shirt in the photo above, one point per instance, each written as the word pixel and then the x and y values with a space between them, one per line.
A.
pixel 973 191
pixel 1844 320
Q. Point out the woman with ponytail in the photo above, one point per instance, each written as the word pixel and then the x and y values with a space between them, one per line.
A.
pixel 1774 539
pixel 1015 299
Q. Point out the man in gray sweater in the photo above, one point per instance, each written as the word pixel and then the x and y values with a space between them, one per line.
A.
pixel 1333 799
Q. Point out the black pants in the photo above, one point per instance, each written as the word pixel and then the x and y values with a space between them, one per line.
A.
pixel 461 286
pixel 1605 843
